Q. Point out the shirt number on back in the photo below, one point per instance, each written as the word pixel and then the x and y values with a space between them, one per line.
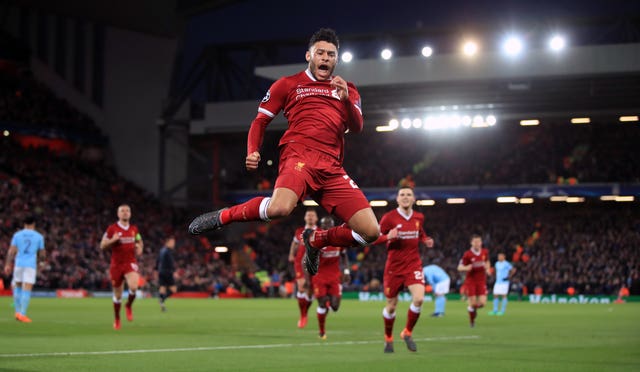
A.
pixel 351 182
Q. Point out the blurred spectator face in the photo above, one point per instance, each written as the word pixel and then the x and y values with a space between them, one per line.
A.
pixel 124 213
pixel 311 218
pixel 405 198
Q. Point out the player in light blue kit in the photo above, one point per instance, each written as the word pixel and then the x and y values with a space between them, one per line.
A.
pixel 25 246
pixel 504 270
pixel 440 282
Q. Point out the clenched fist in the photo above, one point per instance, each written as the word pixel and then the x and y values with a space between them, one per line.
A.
pixel 252 161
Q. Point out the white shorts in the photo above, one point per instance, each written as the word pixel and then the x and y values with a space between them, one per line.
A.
pixel 501 289
pixel 442 287
pixel 24 275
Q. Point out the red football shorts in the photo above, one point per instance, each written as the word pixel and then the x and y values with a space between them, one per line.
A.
pixel 118 271
pixel 396 282
pixel 310 172
pixel 328 287
pixel 476 288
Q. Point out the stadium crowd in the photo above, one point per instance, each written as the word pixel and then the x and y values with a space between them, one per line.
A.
pixel 74 201
pixel 509 155
pixel 590 247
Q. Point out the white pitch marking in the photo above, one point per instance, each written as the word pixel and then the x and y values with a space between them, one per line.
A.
pixel 215 348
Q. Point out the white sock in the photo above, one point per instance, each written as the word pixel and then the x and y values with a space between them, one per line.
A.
pixel 321 310
pixel 264 205
pixel 387 315
pixel 358 238
pixel 415 309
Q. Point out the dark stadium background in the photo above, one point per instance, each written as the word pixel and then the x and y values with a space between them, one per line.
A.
pixel 149 102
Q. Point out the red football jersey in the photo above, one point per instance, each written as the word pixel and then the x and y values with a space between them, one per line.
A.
pixel 329 268
pixel 477 261
pixel 300 94
pixel 124 251
pixel 403 252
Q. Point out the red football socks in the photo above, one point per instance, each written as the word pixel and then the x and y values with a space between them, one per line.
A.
pixel 388 327
pixel 116 309
pixel 322 318
pixel 247 211
pixel 303 304
pixel 336 236
pixel 412 319
pixel 472 314
pixel 132 296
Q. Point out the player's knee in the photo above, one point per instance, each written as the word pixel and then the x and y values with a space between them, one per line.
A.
pixel 279 210
pixel 370 233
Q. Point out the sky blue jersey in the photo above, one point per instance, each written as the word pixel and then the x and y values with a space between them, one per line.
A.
pixel 28 242
pixel 502 271
pixel 434 274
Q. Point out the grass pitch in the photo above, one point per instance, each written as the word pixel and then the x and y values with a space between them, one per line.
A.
pixel 261 335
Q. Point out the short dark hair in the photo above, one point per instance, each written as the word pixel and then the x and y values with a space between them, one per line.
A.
pixel 29 220
pixel 473 236
pixel 327 221
pixel 325 34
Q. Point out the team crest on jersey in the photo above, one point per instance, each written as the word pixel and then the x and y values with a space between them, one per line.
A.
pixel 417 224
pixel 266 96
pixel 299 166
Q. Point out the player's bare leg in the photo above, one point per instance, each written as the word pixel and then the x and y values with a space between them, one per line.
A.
pixel 117 302
pixel 132 283
pixel 363 229
pixel 389 316
pixel 279 205
pixel 417 297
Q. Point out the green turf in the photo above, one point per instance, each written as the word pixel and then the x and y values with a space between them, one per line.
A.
pixel 528 338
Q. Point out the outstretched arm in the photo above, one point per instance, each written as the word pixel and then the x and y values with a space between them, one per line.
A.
pixel 383 238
